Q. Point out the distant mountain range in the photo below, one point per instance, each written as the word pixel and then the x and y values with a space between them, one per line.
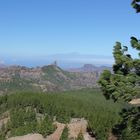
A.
pixel 90 68
pixel 48 78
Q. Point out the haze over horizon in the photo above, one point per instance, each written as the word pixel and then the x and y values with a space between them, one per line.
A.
pixel 34 33
pixel 68 60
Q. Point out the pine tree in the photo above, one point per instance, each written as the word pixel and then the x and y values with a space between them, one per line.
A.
pixel 124 84
pixel 135 4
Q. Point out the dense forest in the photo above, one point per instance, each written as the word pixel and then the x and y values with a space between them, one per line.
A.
pixel 23 109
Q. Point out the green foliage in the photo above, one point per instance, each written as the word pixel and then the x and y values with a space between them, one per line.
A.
pixel 22 121
pixel 124 82
pixel 2 137
pixel 135 4
pixel 2 133
pixel 45 127
pixel 52 74
pixel 129 126
pixel 18 84
pixel 65 134
pixel 102 115
pixel 135 43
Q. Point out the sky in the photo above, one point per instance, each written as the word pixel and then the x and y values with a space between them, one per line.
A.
pixel 37 32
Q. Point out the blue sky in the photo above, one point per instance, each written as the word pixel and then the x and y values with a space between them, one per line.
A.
pixel 33 30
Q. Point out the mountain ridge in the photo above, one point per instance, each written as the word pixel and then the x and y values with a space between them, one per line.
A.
pixel 47 78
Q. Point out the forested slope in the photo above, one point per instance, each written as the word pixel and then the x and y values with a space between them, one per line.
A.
pixel 23 109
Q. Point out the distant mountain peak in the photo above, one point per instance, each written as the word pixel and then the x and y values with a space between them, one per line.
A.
pixel 88 67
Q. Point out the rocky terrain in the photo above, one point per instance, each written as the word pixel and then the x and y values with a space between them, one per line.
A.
pixel 75 127
pixel 46 78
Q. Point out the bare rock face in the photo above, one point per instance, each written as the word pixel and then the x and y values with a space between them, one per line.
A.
pixel 28 137
pixel 57 134
pixel 135 101
pixel 77 126
pixel 30 74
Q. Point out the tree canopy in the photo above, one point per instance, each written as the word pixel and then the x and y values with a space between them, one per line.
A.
pixel 124 82
pixel 136 5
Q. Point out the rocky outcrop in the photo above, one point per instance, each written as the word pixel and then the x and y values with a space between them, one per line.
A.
pixel 75 127
pixel 135 102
